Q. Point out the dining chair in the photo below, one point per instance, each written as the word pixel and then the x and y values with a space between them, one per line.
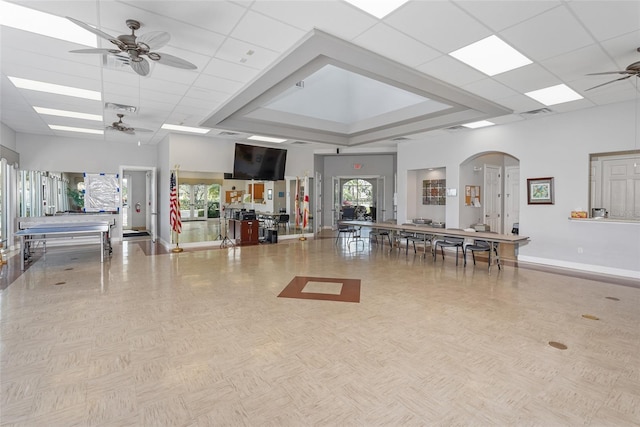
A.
pixel 480 245
pixel 449 242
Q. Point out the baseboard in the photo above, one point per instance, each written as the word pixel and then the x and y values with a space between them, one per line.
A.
pixel 597 269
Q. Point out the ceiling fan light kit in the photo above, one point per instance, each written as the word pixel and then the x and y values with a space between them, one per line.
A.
pixel 136 47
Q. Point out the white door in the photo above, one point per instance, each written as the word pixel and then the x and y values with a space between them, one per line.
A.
pixel 512 197
pixel 620 188
pixel 492 197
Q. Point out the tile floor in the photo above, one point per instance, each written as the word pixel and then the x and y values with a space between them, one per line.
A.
pixel 201 338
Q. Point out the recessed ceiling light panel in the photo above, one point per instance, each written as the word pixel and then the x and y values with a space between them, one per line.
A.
pixel 266 139
pixel 478 124
pixel 65 113
pixel 75 129
pixel 185 128
pixel 54 88
pixel 23 18
pixel 491 56
pixel 554 95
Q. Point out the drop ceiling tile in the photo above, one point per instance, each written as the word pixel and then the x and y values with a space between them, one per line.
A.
pixel 577 64
pixel 218 16
pixel 334 17
pixel 450 70
pixel 279 38
pixel 499 15
pixel 527 78
pixel 520 103
pixel 229 70
pixel 442 25
pixel 206 94
pixel 608 19
pixel 489 89
pixel 395 45
pixel 623 48
pixel 233 50
pixel 552 33
pixel 218 84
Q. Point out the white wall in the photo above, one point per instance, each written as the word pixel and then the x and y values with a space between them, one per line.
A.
pixel 555 146
pixel 57 154
pixel 7 137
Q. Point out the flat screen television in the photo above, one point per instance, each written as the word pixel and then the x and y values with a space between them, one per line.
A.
pixel 259 163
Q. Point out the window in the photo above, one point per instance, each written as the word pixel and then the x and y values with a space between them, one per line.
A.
pixel 615 184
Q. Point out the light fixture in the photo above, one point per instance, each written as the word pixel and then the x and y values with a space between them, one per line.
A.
pixel 65 113
pixel 377 8
pixel 554 95
pixel 55 89
pixel 138 143
pixel 478 124
pixel 185 128
pixel 75 129
pixel 266 139
pixel 491 56
pixel 23 18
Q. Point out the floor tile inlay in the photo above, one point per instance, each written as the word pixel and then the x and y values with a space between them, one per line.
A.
pixel 323 288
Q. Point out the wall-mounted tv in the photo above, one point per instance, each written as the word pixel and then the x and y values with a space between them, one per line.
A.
pixel 259 163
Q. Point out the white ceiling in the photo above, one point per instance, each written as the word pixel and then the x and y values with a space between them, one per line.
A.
pixel 235 44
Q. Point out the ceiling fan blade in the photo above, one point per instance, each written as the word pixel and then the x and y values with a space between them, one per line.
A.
pixel 154 39
pixel 100 51
pixel 142 130
pixel 93 30
pixel 610 72
pixel 140 67
pixel 172 61
pixel 612 81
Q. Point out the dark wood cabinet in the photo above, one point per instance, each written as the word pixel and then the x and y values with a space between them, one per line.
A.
pixel 244 232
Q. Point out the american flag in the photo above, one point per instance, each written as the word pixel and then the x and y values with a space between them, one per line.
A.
pixel 174 214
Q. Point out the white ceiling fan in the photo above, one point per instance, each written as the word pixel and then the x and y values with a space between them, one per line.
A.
pixel 136 48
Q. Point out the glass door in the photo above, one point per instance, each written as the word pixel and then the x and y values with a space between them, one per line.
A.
pixel 193 202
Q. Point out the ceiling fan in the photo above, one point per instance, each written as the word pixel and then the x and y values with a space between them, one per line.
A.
pixel 125 128
pixel 135 47
pixel 630 71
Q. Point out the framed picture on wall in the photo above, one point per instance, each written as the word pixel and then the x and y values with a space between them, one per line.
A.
pixel 540 191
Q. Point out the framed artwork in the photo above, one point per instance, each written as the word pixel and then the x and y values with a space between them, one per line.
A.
pixel 540 191
pixel 434 191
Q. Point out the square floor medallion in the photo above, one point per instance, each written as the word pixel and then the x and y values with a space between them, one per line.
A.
pixel 323 288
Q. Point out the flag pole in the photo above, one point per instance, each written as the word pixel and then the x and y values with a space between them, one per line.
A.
pixel 177 249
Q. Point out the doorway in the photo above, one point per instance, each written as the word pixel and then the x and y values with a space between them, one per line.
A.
pixel 358 198
pixel 138 204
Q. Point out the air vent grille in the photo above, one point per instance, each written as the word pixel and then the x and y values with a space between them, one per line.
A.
pixel 400 138
pixel 300 142
pixel 228 133
pixel 538 112
pixel 456 128
pixel 120 107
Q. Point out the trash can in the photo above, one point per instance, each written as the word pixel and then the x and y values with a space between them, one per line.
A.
pixel 272 235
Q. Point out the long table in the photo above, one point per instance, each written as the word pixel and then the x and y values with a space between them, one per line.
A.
pixel 491 238
pixel 41 232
